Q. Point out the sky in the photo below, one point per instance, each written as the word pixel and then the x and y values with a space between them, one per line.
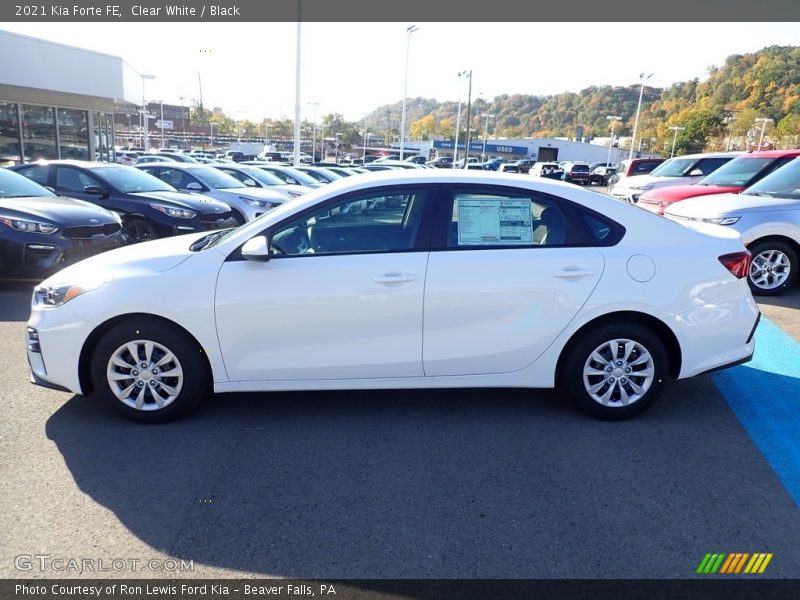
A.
pixel 248 69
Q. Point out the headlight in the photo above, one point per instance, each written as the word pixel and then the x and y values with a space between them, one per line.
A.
pixel 56 295
pixel 28 226
pixel 720 220
pixel 180 213
pixel 256 203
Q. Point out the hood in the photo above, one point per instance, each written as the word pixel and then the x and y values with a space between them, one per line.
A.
pixel 257 193
pixel 655 181
pixel 137 259
pixel 681 192
pixel 195 202
pixel 57 210
pixel 725 204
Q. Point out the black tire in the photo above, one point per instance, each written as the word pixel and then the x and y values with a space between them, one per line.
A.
pixel 193 385
pixel 767 275
pixel 577 358
pixel 140 230
pixel 238 217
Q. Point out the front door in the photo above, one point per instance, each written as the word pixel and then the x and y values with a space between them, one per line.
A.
pixel 340 298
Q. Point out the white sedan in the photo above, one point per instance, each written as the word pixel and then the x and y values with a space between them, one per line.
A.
pixel 403 279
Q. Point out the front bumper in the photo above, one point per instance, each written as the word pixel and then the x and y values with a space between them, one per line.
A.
pixel 36 255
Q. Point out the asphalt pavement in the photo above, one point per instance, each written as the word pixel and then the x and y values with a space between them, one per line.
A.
pixel 385 484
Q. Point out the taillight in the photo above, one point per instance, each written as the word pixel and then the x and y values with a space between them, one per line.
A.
pixel 738 263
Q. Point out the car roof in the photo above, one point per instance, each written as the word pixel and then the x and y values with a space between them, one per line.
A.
pixel 87 164
pixel 772 153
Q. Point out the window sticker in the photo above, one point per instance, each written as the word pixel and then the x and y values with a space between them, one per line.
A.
pixel 494 222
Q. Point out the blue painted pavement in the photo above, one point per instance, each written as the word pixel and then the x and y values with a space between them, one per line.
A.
pixel 765 396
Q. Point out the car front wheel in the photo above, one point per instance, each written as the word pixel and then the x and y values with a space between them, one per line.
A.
pixel 614 371
pixel 140 230
pixel 773 267
pixel 149 370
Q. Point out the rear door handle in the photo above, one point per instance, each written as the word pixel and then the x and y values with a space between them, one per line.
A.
pixel 394 277
pixel 570 272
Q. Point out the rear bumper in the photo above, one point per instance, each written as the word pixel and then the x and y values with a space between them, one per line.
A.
pixel 718 335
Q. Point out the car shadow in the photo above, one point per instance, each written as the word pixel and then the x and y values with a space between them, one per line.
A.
pixel 15 300
pixel 417 483
pixel 789 299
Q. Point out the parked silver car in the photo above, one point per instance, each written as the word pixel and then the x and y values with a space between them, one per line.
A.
pixel 247 202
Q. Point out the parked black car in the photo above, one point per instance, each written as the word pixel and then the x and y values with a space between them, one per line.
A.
pixel 524 164
pixel 601 175
pixel 441 162
pixel 576 173
pixel 41 232
pixel 149 208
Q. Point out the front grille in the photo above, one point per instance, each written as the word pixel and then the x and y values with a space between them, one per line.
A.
pixel 214 217
pixel 87 232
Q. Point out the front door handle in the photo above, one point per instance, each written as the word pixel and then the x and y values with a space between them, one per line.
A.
pixel 394 277
pixel 570 272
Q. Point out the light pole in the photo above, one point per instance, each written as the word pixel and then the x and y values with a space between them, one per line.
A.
pixel 409 31
pixel 367 135
pixel 211 138
pixel 143 116
pixel 314 138
pixel 336 149
pixel 613 119
pixel 485 134
pixel 297 91
pixel 763 121
pixel 676 129
pixel 183 123
pixel 642 79
pixel 458 117
pixel 469 107
pixel 161 124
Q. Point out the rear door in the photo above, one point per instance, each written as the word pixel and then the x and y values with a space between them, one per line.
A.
pixel 507 272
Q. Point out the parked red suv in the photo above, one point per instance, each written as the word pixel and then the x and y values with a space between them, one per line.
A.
pixel 634 166
pixel 732 177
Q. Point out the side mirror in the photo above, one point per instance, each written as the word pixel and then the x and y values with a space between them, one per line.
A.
pixel 256 249
pixel 94 190
pixel 194 186
pixel 695 173
pixel 249 183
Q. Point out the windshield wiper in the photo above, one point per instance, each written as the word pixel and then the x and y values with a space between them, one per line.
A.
pixel 209 240
pixel 765 194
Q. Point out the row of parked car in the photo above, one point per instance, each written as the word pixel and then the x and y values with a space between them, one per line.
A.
pixel 756 194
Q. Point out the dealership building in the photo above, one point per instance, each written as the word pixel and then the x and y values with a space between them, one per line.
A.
pixel 58 101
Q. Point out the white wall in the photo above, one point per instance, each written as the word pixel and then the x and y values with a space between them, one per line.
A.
pixel 34 63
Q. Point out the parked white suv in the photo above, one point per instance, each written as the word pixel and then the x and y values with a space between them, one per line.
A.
pixel 680 170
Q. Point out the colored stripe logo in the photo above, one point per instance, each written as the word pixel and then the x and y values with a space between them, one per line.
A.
pixel 734 563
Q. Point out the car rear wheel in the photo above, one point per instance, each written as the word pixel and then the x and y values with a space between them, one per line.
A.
pixel 773 267
pixel 140 230
pixel 149 371
pixel 614 371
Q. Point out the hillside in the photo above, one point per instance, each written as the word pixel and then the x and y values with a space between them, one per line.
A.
pixel 762 84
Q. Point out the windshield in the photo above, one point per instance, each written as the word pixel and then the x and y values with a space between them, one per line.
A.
pixel 737 172
pixel 130 180
pixel 215 178
pixel 14 185
pixel 263 176
pixel 290 175
pixel 674 167
pixel 785 182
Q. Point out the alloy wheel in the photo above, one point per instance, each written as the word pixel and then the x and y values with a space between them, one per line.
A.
pixel 618 372
pixel 144 375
